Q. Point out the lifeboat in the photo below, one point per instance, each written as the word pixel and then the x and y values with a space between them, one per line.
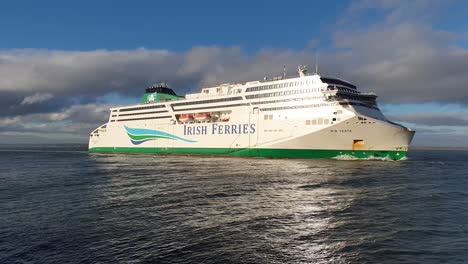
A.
pixel 224 117
pixel 202 116
pixel 185 118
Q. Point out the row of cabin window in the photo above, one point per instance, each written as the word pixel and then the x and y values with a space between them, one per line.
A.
pixel 341 88
pixel 141 108
pixel 319 121
pixel 282 93
pixel 218 90
pixel 287 100
pixel 142 118
pixel 277 86
pixel 144 113
pixel 209 107
pixel 209 101
pixel 294 107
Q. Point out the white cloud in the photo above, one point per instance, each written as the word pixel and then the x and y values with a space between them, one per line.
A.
pixel 402 63
pixel 8 121
pixel 36 98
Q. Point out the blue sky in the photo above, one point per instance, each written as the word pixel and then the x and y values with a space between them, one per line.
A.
pixel 63 63
pixel 175 25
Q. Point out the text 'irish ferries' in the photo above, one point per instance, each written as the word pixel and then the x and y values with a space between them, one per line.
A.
pixel 217 129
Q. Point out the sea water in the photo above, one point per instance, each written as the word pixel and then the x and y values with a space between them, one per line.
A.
pixel 60 204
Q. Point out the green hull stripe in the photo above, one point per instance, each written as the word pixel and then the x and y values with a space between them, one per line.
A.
pixel 254 152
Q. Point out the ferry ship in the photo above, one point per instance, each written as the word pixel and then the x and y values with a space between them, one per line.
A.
pixel 302 116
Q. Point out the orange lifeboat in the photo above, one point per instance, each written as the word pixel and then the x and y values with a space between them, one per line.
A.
pixel 224 117
pixel 202 116
pixel 185 118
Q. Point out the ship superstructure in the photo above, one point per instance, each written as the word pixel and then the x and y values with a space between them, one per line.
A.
pixel 304 116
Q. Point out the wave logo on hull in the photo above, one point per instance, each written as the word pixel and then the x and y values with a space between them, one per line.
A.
pixel 140 135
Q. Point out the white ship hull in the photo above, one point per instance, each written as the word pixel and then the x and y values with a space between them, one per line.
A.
pixel 303 125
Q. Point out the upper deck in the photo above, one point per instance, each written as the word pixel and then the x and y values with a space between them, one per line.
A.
pixel 162 102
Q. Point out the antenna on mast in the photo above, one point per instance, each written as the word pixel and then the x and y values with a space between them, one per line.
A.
pixel 284 70
pixel 316 64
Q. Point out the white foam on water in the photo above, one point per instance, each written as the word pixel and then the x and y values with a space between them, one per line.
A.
pixel 351 157
pixel 345 157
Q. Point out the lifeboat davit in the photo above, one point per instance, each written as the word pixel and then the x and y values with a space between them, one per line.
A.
pixel 202 116
pixel 185 118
